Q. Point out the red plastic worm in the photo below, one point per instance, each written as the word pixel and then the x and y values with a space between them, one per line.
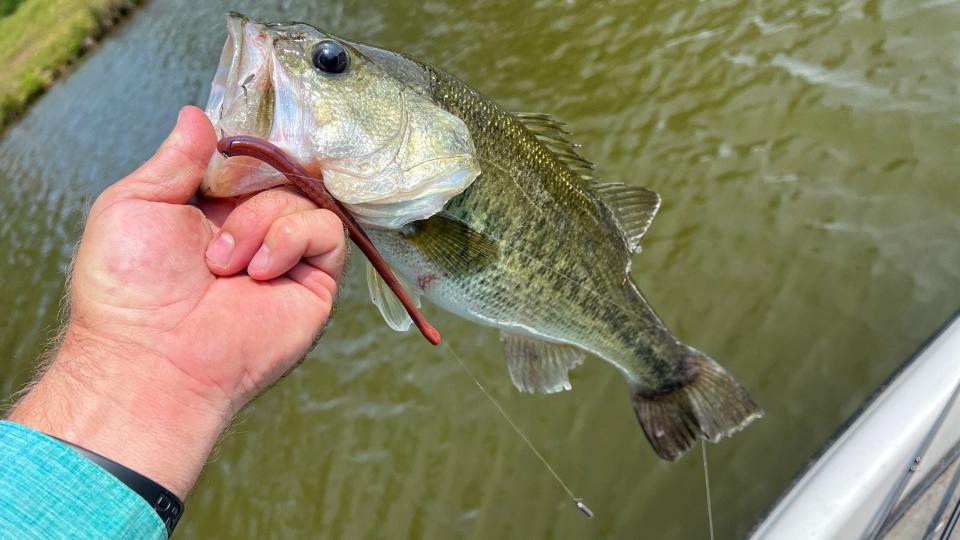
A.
pixel 314 189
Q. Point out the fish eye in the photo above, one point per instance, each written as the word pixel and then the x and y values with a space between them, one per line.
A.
pixel 330 57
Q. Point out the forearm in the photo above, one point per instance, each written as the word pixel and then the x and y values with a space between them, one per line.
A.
pixel 128 406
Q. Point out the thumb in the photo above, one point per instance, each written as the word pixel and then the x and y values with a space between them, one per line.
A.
pixel 174 172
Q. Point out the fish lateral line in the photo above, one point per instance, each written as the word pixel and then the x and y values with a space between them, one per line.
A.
pixel 314 189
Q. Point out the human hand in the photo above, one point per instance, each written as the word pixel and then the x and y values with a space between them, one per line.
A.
pixel 167 336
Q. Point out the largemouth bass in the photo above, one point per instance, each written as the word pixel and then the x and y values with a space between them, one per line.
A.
pixel 492 215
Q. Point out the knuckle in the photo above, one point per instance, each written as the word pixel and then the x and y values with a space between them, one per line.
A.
pixel 257 211
pixel 283 199
pixel 287 227
pixel 269 206
pixel 274 200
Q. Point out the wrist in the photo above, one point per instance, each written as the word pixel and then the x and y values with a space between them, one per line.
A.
pixel 129 405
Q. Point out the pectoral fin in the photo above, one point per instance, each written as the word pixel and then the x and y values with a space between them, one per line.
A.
pixel 634 208
pixel 539 366
pixel 452 244
pixel 391 308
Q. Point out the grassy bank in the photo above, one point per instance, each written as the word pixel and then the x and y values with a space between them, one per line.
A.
pixel 40 39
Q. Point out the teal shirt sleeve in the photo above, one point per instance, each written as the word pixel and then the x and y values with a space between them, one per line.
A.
pixel 48 490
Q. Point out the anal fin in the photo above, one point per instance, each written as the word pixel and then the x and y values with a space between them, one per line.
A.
pixel 539 366
pixel 390 307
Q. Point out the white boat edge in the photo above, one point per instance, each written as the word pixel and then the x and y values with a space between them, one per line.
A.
pixel 843 490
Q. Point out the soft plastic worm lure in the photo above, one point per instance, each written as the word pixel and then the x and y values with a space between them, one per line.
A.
pixel 313 188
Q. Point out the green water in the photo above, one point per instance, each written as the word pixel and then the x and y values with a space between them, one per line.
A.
pixel 806 155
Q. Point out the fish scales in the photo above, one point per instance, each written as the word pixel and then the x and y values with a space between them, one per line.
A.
pixel 562 264
pixel 491 215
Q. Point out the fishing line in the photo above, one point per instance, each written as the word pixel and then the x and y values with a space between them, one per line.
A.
pixel 706 482
pixel 576 500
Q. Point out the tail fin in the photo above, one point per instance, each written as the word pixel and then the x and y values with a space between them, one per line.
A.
pixel 712 405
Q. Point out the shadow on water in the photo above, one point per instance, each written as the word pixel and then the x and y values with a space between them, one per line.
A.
pixel 807 240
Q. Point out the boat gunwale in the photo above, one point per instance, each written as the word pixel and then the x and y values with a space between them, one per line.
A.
pixel 854 416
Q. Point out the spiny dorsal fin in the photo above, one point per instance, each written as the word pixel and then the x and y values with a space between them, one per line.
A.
pixel 390 307
pixel 543 121
pixel 634 208
pixel 552 133
pixel 452 244
pixel 539 366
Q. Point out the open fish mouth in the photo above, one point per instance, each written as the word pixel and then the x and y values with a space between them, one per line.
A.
pixel 243 90
pixel 218 87
pixel 242 102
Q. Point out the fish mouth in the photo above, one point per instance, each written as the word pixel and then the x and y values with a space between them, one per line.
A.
pixel 242 101
pixel 228 61
pixel 243 81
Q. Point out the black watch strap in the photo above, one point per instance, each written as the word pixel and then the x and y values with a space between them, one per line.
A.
pixel 167 505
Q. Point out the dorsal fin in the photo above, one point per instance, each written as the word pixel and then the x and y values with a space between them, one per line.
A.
pixel 552 133
pixel 634 208
pixel 547 122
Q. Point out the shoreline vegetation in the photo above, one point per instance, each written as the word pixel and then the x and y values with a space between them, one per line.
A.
pixel 40 40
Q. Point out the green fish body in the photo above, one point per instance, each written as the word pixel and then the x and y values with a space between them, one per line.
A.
pixel 534 245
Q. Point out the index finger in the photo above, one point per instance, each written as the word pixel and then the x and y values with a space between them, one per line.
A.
pixel 244 227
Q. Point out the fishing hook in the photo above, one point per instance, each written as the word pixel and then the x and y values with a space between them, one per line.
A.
pixel 313 188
